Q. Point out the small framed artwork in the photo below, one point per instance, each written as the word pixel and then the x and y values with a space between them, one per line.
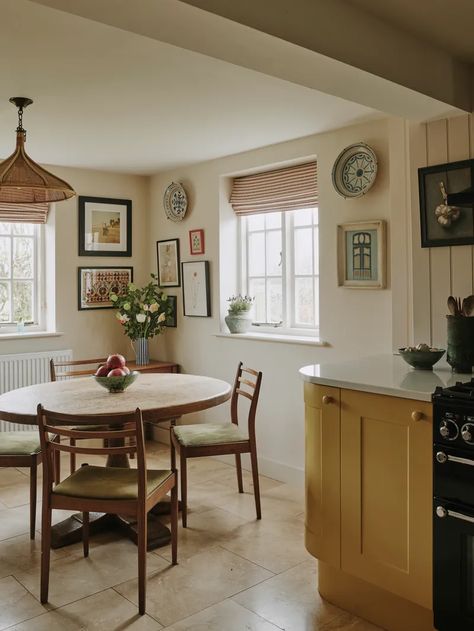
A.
pixel 105 226
pixel 172 319
pixel 444 223
pixel 167 255
pixel 361 254
pixel 95 284
pixel 196 241
pixel 196 294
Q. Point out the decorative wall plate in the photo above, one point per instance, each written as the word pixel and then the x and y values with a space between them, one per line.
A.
pixel 175 202
pixel 354 170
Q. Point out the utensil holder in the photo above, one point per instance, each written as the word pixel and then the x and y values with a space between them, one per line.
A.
pixel 460 350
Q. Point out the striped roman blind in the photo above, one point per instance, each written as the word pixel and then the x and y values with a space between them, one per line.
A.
pixel 280 190
pixel 24 213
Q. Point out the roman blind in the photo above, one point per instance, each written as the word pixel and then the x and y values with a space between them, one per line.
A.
pixel 279 190
pixel 24 213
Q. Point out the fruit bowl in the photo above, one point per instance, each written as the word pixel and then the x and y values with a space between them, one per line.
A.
pixel 421 359
pixel 117 384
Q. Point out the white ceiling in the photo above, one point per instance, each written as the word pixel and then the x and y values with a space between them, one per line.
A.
pixel 108 99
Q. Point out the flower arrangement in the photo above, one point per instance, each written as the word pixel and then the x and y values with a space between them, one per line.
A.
pixel 142 311
pixel 239 304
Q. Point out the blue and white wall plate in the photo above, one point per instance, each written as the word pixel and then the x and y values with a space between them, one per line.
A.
pixel 354 170
pixel 175 202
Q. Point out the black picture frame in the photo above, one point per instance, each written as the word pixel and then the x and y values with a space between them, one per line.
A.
pixel 122 208
pixel 83 277
pixel 196 289
pixel 172 320
pixel 456 177
pixel 168 263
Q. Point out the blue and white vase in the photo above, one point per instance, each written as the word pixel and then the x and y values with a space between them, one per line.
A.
pixel 141 351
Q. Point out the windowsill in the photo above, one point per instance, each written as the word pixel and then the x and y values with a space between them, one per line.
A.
pixel 13 335
pixel 275 337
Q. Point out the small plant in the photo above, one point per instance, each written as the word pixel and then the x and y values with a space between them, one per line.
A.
pixel 239 304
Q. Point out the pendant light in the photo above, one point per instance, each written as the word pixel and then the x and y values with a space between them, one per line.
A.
pixel 22 181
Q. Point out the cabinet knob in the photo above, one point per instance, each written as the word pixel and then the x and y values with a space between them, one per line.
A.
pixel 417 415
pixel 327 399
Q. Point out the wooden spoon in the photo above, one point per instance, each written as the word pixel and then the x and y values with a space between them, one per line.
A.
pixel 468 306
pixel 452 306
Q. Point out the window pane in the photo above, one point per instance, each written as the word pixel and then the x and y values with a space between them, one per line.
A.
pixel 274 263
pixel 273 220
pixel 275 300
pixel 316 215
pixel 23 301
pixel 5 245
pixel 316 250
pixel 303 217
pixel 304 301
pixel 23 258
pixel 256 254
pixel 4 302
pixel 316 297
pixel 5 228
pixel 257 290
pixel 255 222
pixel 303 251
pixel 23 228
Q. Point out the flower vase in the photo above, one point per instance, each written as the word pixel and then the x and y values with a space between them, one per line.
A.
pixel 141 351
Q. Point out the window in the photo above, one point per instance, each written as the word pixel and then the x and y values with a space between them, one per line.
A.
pixel 280 268
pixel 20 274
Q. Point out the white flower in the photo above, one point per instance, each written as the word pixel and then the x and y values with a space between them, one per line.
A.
pixel 141 317
pixel 154 307
pixel 124 318
pixel 162 317
pixel 126 306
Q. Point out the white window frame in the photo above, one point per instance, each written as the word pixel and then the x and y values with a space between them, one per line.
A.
pixel 289 327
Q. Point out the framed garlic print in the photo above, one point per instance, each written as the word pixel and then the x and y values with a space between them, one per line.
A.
pixel 196 242
pixel 196 294
pixel 167 255
pixel 95 284
pixel 361 254
pixel 105 226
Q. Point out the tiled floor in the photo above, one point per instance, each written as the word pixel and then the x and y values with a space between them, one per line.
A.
pixel 234 573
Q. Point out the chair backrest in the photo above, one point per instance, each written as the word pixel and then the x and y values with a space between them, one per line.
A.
pixel 65 369
pixel 247 384
pixel 128 426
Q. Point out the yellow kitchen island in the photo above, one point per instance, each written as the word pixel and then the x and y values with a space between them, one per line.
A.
pixel 369 486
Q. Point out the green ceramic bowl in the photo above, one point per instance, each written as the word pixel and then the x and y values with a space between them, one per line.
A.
pixel 117 384
pixel 422 360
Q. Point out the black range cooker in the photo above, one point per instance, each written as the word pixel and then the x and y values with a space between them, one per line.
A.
pixel 453 507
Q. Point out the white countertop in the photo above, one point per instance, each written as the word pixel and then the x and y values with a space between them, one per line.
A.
pixel 383 374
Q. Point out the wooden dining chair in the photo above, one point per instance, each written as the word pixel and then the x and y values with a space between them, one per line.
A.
pixel 113 490
pixel 217 439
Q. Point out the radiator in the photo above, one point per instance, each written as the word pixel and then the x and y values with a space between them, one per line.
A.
pixel 26 369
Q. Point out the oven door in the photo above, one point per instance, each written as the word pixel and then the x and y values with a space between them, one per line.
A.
pixel 453 568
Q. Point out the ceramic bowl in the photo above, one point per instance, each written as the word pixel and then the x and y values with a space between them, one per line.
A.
pixel 422 360
pixel 117 384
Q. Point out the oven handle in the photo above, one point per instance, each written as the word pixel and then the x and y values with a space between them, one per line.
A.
pixel 441 457
pixel 444 512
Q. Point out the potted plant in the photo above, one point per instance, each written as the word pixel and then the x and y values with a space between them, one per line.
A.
pixel 238 319
pixel 142 311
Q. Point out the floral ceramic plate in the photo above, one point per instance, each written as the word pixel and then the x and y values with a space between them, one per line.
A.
pixel 175 202
pixel 354 170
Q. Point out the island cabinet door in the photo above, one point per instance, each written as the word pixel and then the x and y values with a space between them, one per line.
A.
pixel 322 473
pixel 386 493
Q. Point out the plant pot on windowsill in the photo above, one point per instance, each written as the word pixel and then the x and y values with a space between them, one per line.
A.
pixel 238 322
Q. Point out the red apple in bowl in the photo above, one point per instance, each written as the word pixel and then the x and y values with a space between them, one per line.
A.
pixel 115 361
pixel 116 372
pixel 102 371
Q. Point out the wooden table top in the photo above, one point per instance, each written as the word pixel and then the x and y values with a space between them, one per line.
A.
pixel 158 395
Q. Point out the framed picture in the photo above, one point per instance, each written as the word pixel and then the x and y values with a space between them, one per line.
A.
pixel 445 224
pixel 171 320
pixel 167 255
pixel 105 226
pixel 196 295
pixel 361 254
pixel 196 241
pixel 95 284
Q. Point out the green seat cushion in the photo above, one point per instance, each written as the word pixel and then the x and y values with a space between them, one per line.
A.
pixel 203 434
pixel 108 483
pixel 19 443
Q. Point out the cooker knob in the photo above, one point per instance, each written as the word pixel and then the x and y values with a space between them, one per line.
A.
pixel 448 429
pixel 467 432
pixel 441 511
pixel 441 457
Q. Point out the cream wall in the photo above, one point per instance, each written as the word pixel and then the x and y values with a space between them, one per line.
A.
pixel 89 333
pixel 353 322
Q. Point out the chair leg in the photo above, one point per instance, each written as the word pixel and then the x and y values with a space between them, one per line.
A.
pixel 184 490
pixel 142 547
pixel 256 485
pixel 72 460
pixel 85 533
pixel 238 466
pixel 174 522
pixel 33 475
pixel 172 453
pixel 45 552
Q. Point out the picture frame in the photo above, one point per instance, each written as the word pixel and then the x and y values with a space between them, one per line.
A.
pixel 95 284
pixel 172 320
pixel 196 294
pixel 444 224
pixel 361 254
pixel 196 241
pixel 105 226
pixel 168 263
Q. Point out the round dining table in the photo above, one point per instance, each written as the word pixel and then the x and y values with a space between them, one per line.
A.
pixel 160 397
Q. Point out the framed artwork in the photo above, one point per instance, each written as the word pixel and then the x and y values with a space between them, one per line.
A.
pixel 172 319
pixel 196 241
pixel 95 284
pixel 196 295
pixel 361 254
pixel 167 255
pixel 105 226
pixel 445 224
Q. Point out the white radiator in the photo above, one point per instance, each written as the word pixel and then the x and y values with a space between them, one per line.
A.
pixel 26 369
